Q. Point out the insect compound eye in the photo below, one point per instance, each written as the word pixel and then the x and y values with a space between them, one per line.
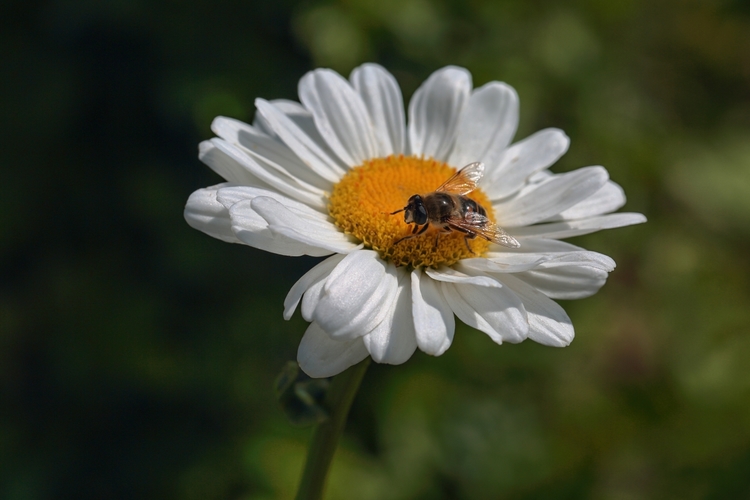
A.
pixel 420 215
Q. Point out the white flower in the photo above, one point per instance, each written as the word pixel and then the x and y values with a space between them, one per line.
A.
pixel 320 178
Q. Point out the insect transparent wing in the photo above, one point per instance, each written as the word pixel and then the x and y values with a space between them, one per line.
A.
pixel 475 223
pixel 465 180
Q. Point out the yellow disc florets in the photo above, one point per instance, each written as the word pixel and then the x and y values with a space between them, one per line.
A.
pixel 362 201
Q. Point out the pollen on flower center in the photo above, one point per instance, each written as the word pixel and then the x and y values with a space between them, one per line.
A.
pixel 362 201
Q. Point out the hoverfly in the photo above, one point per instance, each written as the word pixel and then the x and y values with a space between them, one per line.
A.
pixel 449 209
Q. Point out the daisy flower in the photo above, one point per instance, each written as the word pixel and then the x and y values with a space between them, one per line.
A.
pixel 323 176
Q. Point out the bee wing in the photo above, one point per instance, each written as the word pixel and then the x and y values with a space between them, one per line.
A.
pixel 475 223
pixel 465 180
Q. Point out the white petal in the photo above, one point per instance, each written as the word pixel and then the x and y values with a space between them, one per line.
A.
pixel 264 148
pixel 315 275
pixel 521 160
pixel 242 134
pixel 311 299
pixel 580 258
pixel 570 276
pixel 453 275
pixel 309 232
pixel 226 166
pixel 609 198
pixel 252 229
pixel 205 213
pixel 536 253
pixel 301 117
pixel 307 149
pixel 487 125
pixel 570 282
pixel 433 318
pixel 502 263
pixel 498 312
pixel 272 175
pixel 550 197
pixel 301 225
pixel 434 111
pixel 549 324
pixel 382 97
pixel 230 195
pixel 537 245
pixel 568 229
pixel 340 115
pixel 393 341
pixel 545 257
pixel 295 112
pixel 356 295
pixel 321 356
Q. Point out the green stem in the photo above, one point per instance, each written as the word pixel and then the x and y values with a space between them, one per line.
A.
pixel 326 435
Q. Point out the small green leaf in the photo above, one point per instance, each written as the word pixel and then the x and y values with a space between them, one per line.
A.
pixel 301 397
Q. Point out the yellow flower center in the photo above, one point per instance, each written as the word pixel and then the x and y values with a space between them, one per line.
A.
pixel 362 201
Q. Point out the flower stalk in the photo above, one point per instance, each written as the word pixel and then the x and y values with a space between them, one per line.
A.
pixel 326 435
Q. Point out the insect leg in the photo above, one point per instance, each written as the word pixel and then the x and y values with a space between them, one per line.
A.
pixel 443 229
pixel 414 232
pixel 466 240
pixel 468 235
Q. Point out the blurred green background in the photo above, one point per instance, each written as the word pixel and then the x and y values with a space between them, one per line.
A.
pixel 137 355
